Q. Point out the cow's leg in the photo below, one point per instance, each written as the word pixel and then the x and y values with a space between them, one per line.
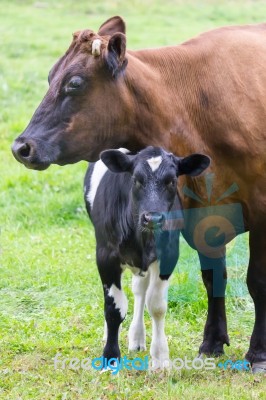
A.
pixel 115 302
pixel 215 331
pixel 136 335
pixel 156 301
pixel 256 281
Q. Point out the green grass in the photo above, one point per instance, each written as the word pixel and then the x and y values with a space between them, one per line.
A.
pixel 50 292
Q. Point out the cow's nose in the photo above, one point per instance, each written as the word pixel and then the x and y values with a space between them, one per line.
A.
pixel 152 219
pixel 22 151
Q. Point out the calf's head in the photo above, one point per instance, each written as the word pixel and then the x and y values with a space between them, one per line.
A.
pixel 154 195
pixel 86 103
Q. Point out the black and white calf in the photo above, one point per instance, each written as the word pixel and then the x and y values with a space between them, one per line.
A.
pixel 133 203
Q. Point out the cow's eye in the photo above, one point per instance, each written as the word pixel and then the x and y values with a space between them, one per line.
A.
pixel 75 84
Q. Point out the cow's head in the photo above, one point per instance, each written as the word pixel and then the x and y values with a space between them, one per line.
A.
pixel 154 173
pixel 75 120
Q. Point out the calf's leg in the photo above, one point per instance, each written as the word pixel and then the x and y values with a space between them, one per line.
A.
pixel 105 331
pixel 156 301
pixel 136 335
pixel 115 301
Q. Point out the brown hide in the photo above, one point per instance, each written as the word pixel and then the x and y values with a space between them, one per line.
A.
pixel 205 95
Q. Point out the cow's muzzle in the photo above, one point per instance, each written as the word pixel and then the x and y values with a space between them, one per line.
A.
pixel 152 220
pixel 25 152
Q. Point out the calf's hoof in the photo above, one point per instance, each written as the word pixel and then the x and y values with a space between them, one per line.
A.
pixel 136 339
pixel 136 345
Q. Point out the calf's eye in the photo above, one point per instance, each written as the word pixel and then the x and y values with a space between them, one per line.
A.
pixel 171 183
pixel 137 183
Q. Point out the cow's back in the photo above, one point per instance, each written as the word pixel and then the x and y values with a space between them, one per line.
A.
pixel 224 100
pixel 214 92
pixel 230 80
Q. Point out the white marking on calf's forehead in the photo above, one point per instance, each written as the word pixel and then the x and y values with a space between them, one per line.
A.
pixel 120 300
pixel 96 47
pixel 154 162
pixel 96 177
pixel 123 150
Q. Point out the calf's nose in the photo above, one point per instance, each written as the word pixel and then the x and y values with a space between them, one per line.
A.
pixel 152 219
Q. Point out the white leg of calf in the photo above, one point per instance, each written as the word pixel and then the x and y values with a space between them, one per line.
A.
pixel 136 335
pixel 156 301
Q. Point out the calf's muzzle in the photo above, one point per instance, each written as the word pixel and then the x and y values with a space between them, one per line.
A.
pixel 152 220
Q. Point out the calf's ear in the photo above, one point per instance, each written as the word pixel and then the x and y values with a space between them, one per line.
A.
pixel 116 161
pixel 116 54
pixel 192 165
pixel 111 26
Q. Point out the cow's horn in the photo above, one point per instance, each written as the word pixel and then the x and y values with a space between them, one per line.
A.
pixel 96 47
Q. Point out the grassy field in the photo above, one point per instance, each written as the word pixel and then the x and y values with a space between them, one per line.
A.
pixel 50 292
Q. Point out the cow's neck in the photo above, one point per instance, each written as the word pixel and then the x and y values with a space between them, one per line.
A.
pixel 159 80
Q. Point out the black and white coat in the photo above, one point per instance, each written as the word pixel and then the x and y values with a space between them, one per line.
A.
pixel 133 203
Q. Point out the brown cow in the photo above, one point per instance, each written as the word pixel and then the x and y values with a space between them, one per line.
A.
pixel 205 95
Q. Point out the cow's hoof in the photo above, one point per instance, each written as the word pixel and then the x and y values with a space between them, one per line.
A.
pixel 212 348
pixel 216 351
pixel 259 367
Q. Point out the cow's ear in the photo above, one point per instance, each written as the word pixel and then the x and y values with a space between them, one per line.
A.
pixel 192 165
pixel 116 53
pixel 116 161
pixel 111 26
